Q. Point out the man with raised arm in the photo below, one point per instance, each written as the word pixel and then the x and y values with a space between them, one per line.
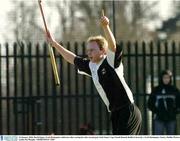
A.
pixel 104 65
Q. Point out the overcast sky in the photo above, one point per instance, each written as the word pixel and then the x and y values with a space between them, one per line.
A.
pixel 164 8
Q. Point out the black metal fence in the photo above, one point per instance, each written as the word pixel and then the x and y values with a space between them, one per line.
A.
pixel 31 103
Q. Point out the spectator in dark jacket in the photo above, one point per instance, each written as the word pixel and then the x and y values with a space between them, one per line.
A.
pixel 164 103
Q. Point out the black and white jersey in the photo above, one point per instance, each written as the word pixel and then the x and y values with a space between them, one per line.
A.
pixel 108 79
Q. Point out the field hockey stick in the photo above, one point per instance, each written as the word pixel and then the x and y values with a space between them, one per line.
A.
pixel 51 53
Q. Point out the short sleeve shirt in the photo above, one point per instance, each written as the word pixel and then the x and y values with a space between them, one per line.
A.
pixel 108 79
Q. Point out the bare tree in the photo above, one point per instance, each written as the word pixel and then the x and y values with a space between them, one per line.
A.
pixel 25 24
pixel 78 19
pixel 176 7
pixel 131 18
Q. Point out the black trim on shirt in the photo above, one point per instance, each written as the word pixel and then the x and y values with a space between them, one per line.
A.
pixel 82 64
pixel 118 56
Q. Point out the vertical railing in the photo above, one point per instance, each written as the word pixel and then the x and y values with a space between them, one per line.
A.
pixel 7 89
pixel 166 55
pixel 22 59
pixel 128 45
pixel 1 127
pixel 69 94
pixel 46 101
pixel 144 86
pixel 38 102
pixel 174 61
pixel 159 56
pixel 62 95
pixel 137 73
pixel 77 92
pixel 15 88
pixel 30 108
pixel 84 89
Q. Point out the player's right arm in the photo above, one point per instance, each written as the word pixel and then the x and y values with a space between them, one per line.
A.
pixel 66 54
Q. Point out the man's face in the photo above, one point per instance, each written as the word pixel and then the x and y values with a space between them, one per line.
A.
pixel 166 79
pixel 94 53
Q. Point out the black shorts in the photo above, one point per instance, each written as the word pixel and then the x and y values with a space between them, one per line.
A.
pixel 126 121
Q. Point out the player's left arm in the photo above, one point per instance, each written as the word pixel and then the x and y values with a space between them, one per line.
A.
pixel 104 21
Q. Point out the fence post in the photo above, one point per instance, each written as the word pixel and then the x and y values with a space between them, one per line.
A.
pixel 174 62
pixel 128 45
pixel 76 90
pixel 69 81
pixel 159 56
pixel 137 73
pixel 30 101
pixel 45 72
pixel 7 88
pixel 62 93
pixel 38 101
pixel 84 88
pixel 0 94
pixel 15 88
pixel 144 88
pixel 23 87
pixel 166 55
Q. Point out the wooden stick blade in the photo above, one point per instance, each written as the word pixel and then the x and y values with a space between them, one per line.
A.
pixel 54 66
pixel 51 53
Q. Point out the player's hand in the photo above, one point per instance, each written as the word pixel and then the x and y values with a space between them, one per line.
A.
pixel 104 21
pixel 49 38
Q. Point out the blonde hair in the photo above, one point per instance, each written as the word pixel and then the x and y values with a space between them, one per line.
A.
pixel 100 40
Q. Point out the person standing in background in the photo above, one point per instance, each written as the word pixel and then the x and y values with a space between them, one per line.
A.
pixel 164 102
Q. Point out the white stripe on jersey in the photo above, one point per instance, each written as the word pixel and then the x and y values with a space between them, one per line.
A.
pixel 94 70
pixel 119 72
